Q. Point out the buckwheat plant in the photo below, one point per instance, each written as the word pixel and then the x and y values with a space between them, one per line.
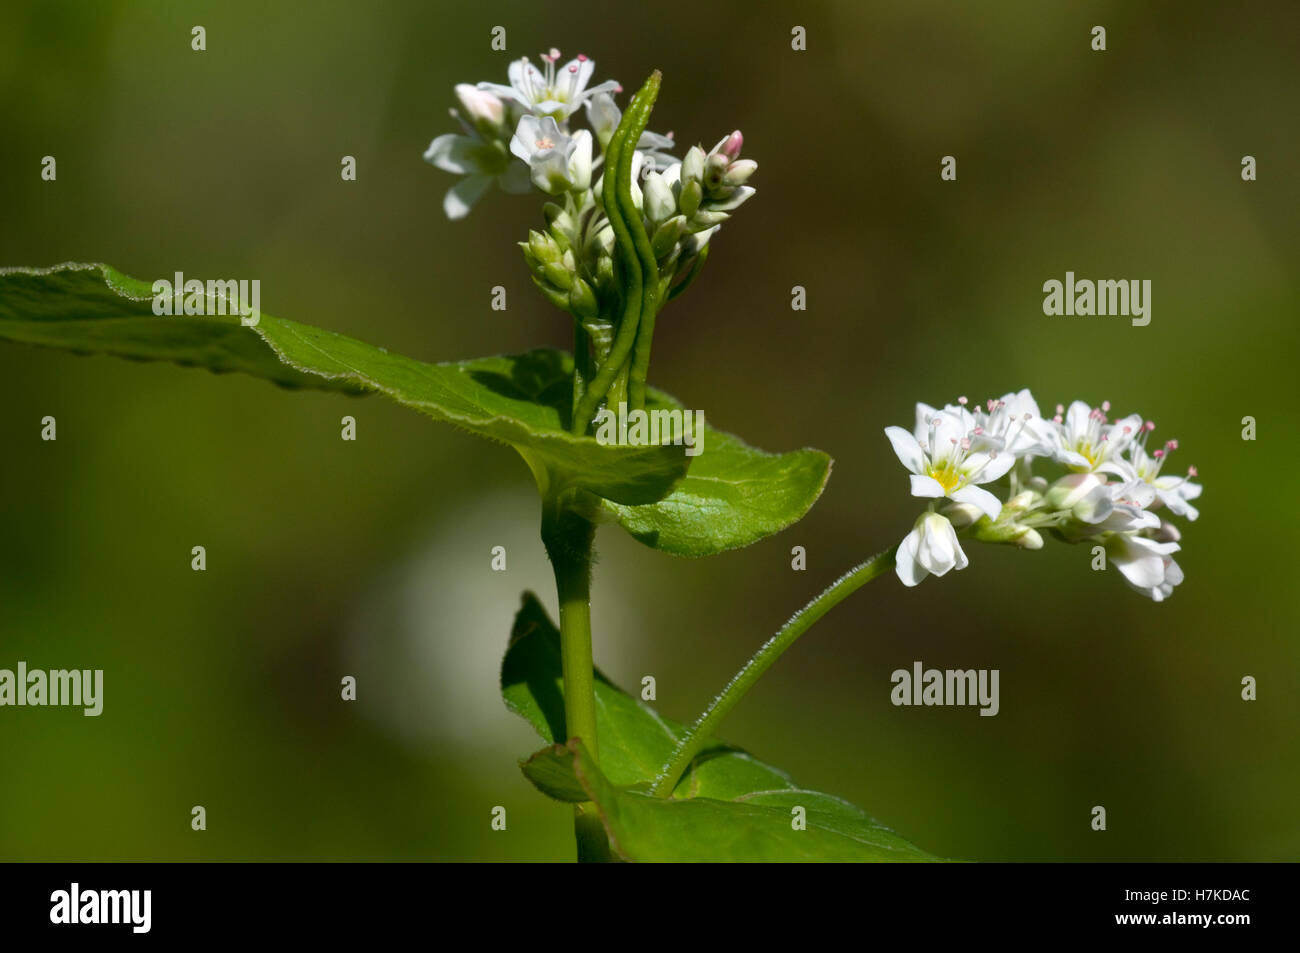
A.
pixel 624 229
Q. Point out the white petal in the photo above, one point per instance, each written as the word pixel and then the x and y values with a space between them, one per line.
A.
pixel 989 504
pixel 460 198
pixel 905 565
pixel 1076 419
pixel 580 160
pixel 907 449
pixel 517 72
pixel 524 142
pixel 996 468
pixel 927 487
pixel 924 414
pixel 453 153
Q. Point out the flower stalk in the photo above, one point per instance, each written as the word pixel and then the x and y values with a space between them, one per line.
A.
pixel 701 733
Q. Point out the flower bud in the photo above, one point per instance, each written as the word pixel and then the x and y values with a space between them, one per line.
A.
pixel 603 116
pixel 693 166
pixel 667 236
pixel 738 173
pixel 543 247
pixel 560 273
pixel 582 299
pixel 484 111
pixel 691 196
pixel 1073 488
pixel 1029 539
pixel 962 515
pixel 731 146
pixel 660 205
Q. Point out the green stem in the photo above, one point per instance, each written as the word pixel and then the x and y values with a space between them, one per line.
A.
pixel 581 363
pixel 568 539
pixel 702 731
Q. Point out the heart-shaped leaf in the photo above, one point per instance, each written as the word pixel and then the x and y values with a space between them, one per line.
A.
pixel 740 808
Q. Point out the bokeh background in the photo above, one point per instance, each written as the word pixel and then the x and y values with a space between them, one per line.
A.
pixel 371 558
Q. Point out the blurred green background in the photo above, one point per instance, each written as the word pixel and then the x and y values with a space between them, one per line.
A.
pixel 371 558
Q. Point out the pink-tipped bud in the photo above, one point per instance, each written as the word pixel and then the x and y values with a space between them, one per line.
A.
pixel 732 145
pixel 1191 471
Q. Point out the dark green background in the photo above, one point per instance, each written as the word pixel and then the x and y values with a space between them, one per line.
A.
pixel 372 558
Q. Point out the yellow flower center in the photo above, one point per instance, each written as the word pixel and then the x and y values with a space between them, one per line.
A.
pixel 948 478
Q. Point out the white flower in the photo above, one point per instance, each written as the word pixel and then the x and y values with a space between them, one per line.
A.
pixel 948 454
pixel 481 161
pixel 931 547
pixel 1014 420
pixel 1146 564
pixel 1173 492
pixel 1085 440
pixel 558 163
pixel 550 92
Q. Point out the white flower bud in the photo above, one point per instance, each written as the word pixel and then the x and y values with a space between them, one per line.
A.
pixel 660 204
pixel 483 110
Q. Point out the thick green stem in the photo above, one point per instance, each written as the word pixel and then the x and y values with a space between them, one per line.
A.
pixel 702 731
pixel 568 539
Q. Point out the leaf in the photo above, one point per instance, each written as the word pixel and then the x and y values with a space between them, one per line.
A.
pixel 551 771
pixel 520 400
pixel 95 309
pixel 759 827
pixel 733 495
pixel 728 806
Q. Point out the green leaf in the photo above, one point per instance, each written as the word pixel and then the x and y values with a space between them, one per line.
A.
pixel 733 495
pixel 95 309
pixel 520 400
pixel 551 771
pixel 728 806
pixel 758 827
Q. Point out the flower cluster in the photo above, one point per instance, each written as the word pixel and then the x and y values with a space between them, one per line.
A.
pixel 1111 491
pixel 522 136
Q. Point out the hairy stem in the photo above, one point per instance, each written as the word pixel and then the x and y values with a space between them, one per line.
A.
pixel 702 731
